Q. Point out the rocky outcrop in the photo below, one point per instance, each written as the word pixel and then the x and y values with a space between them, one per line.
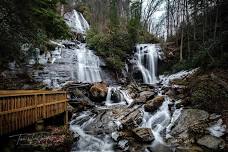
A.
pixel 191 124
pixel 211 142
pixel 132 118
pixel 116 95
pixel 154 104
pixel 190 118
pixel 144 96
pixel 99 91
pixel 111 120
pixel 143 134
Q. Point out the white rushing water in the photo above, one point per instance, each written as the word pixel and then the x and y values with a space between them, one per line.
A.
pixel 88 142
pixel 71 60
pixel 76 22
pixel 165 80
pixel 121 95
pixel 74 63
pixel 158 121
pixel 147 57
pixel 88 65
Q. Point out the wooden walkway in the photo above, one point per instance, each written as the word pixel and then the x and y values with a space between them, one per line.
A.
pixel 19 109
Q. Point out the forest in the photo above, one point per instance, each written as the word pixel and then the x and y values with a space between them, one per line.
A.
pixel 114 75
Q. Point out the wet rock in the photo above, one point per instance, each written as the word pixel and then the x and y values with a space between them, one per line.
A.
pixel 192 148
pixel 99 91
pixel 75 136
pixel 143 134
pixel 103 123
pixel 116 96
pixel 144 96
pixel 82 105
pixel 154 104
pixel 191 124
pixel 123 144
pixel 179 89
pixel 190 118
pixel 121 135
pixel 170 93
pixel 211 142
pixel 132 119
pixel 137 74
pixel 183 102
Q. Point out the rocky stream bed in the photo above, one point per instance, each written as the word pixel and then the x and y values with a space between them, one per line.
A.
pixel 143 118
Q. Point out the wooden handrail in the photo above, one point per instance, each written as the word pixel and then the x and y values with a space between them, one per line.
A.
pixel 20 108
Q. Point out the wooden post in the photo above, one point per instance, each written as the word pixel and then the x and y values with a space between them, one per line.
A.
pixel 44 106
pixel 66 113
pixel 35 98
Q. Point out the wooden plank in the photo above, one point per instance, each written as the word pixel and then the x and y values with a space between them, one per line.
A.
pixel 35 99
pixel 27 93
pixel 25 107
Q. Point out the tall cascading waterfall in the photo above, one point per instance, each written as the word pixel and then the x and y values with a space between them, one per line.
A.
pixel 73 63
pixel 71 60
pixel 147 57
pixel 88 66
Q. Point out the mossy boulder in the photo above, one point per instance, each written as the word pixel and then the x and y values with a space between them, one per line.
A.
pixel 208 95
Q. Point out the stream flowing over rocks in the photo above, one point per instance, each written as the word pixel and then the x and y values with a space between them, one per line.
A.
pixel 143 118
pixel 147 116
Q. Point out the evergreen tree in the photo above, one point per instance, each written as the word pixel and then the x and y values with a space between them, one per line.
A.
pixel 134 24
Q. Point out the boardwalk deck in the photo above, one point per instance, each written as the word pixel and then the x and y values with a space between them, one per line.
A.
pixel 19 109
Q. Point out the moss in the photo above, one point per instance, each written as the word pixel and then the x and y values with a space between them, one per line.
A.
pixel 208 95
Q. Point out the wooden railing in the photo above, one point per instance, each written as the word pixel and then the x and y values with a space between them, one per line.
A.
pixel 19 109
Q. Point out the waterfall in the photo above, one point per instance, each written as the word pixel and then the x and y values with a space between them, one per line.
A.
pixel 88 65
pixel 121 96
pixel 76 22
pixel 147 57
pixel 158 121
pixel 88 142
pixel 75 62
pixel 71 60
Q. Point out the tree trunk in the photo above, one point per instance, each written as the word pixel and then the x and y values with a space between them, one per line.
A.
pixel 181 46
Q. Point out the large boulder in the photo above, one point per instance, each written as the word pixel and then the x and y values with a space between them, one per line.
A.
pixel 211 142
pixel 154 104
pixel 144 96
pixel 143 134
pixel 116 95
pixel 132 119
pixel 190 124
pixel 190 119
pixel 99 91
pixel 111 120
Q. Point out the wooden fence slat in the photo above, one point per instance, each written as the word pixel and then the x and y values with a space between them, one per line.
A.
pixel 22 108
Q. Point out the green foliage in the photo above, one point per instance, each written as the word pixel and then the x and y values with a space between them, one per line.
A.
pixel 134 25
pixel 28 21
pixel 112 46
pixel 114 19
pixel 118 40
